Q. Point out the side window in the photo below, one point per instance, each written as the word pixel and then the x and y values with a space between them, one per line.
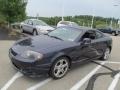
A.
pixel 30 22
pixel 89 34
pixel 34 22
pixel 98 35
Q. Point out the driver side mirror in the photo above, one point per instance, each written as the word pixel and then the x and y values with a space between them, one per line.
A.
pixel 31 23
pixel 87 41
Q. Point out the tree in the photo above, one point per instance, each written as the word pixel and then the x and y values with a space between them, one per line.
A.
pixel 13 10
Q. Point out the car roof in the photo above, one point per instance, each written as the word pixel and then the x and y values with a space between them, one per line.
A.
pixel 34 19
pixel 69 22
pixel 65 21
pixel 79 28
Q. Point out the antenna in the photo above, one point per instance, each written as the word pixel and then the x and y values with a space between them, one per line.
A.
pixel 63 10
pixel 92 22
pixel 37 16
pixel 93 17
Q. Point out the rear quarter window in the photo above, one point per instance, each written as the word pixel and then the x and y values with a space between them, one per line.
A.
pixel 99 35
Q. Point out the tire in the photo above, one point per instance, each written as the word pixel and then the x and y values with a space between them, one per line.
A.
pixel 59 68
pixel 106 54
pixel 114 34
pixel 35 32
pixel 21 30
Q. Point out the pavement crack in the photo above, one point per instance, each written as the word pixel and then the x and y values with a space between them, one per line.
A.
pixel 92 80
pixel 103 66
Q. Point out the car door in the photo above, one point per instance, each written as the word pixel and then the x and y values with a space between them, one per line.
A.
pixel 99 42
pixel 89 51
pixel 25 24
pixel 30 26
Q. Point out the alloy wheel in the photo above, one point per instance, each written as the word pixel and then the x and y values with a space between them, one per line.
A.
pixel 113 34
pixel 61 67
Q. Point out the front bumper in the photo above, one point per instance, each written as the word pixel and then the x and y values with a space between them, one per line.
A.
pixel 31 69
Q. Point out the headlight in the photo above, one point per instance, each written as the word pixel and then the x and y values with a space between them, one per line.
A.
pixel 32 55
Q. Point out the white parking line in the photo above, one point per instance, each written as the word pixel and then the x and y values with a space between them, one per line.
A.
pixel 16 76
pixel 114 82
pixel 40 84
pixel 81 82
pixel 111 62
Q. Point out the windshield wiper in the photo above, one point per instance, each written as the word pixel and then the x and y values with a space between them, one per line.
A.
pixel 55 37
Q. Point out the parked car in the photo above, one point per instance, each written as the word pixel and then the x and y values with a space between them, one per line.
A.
pixel 54 53
pixel 114 32
pixel 67 23
pixel 35 27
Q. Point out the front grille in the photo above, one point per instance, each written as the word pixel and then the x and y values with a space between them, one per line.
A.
pixel 16 65
pixel 49 30
pixel 13 52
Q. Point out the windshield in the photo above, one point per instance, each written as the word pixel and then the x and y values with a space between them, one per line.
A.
pixel 69 34
pixel 39 22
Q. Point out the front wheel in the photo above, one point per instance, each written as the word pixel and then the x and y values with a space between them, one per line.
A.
pixel 106 54
pixel 114 34
pixel 21 30
pixel 59 68
pixel 35 32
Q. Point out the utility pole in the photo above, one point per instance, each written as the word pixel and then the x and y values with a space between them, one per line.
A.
pixel 83 24
pixel 106 22
pixel 119 23
pixel 117 5
pixel 111 23
pixel 63 10
pixel 37 16
pixel 92 22
pixel 88 24
pixel 93 17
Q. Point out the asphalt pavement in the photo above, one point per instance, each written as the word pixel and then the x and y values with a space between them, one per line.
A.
pixel 90 76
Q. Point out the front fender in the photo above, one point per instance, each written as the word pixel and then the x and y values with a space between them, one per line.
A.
pixel 57 56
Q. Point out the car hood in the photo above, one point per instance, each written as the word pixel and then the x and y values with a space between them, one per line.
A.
pixel 42 44
pixel 45 27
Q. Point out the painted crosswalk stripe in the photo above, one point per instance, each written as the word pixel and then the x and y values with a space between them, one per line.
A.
pixel 111 62
pixel 87 77
pixel 114 82
pixel 40 84
pixel 16 76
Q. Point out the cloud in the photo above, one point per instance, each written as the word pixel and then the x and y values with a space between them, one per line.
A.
pixel 73 7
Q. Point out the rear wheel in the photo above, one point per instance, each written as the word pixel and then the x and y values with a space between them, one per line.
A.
pixel 21 30
pixel 106 54
pixel 114 34
pixel 59 68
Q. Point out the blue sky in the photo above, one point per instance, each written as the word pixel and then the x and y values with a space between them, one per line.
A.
pixel 48 8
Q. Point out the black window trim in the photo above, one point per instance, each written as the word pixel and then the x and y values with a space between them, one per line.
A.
pixel 102 35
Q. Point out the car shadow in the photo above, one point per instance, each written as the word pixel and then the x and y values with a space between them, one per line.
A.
pixel 6 35
pixel 36 79
pixel 80 65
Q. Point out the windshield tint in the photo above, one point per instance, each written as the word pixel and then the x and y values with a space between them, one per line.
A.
pixel 69 34
pixel 65 22
pixel 39 22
